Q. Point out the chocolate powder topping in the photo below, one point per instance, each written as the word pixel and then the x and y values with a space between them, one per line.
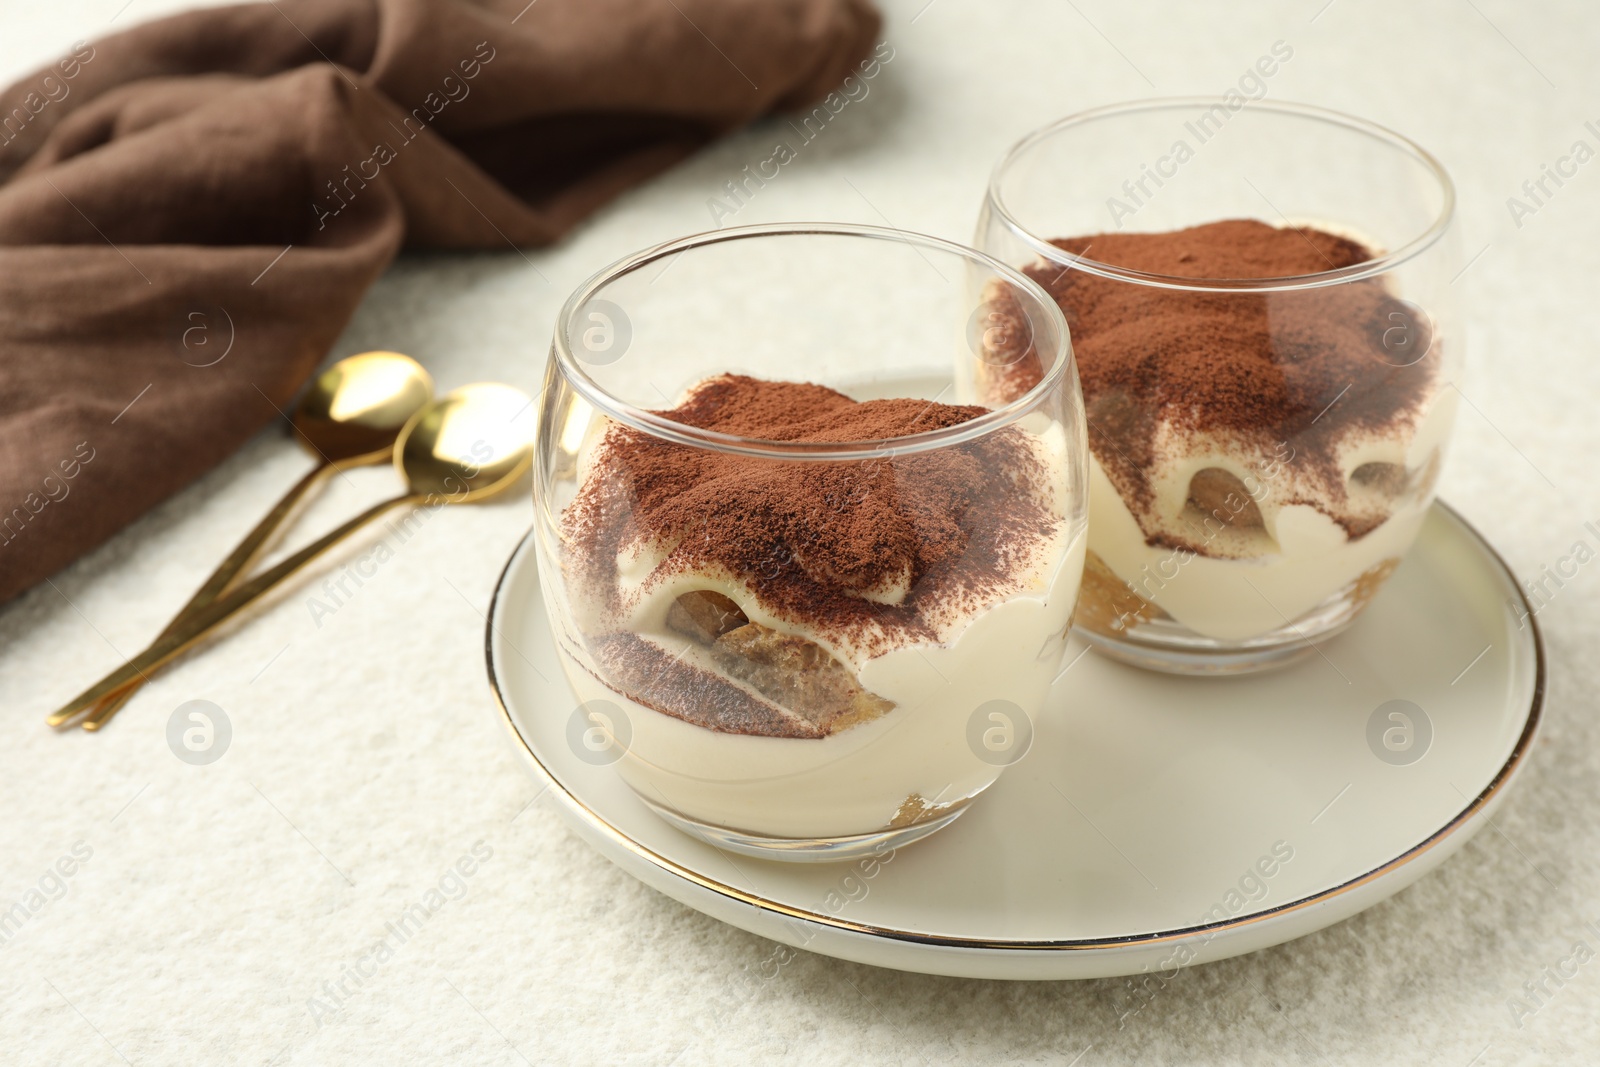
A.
pixel 874 552
pixel 863 550
pixel 1262 367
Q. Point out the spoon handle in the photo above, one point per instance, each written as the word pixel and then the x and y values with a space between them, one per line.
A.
pixel 206 619
pixel 239 560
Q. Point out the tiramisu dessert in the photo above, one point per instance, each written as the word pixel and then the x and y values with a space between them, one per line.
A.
pixel 799 645
pixel 1257 455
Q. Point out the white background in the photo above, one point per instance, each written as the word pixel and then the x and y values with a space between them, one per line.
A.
pixel 366 757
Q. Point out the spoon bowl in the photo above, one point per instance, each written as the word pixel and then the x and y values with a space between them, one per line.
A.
pixel 356 408
pixel 467 445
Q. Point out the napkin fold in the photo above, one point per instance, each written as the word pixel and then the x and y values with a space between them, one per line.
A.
pixel 191 210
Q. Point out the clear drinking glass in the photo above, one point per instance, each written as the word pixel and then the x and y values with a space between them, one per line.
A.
pixel 1268 403
pixel 801 626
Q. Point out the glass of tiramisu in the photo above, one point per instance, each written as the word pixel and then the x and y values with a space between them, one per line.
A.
pixel 1260 306
pixel 810 580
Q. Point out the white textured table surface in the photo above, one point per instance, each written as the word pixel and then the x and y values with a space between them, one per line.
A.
pixel 365 759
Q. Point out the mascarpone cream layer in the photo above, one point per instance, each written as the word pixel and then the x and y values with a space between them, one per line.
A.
pixel 1255 580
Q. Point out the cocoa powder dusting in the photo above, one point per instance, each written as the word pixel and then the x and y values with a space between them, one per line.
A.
pixel 1262 367
pixel 814 540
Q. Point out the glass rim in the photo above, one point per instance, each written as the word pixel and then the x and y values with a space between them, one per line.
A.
pixel 659 426
pixel 1369 268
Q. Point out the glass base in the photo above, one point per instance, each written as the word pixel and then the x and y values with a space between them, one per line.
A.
pixel 1179 659
pixel 1157 642
pixel 811 849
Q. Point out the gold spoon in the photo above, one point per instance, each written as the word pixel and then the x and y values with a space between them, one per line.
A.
pixel 349 417
pixel 462 448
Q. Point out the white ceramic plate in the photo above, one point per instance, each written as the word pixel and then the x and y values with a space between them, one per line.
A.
pixel 1157 821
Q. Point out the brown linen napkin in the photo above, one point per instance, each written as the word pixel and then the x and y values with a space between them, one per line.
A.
pixel 191 210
